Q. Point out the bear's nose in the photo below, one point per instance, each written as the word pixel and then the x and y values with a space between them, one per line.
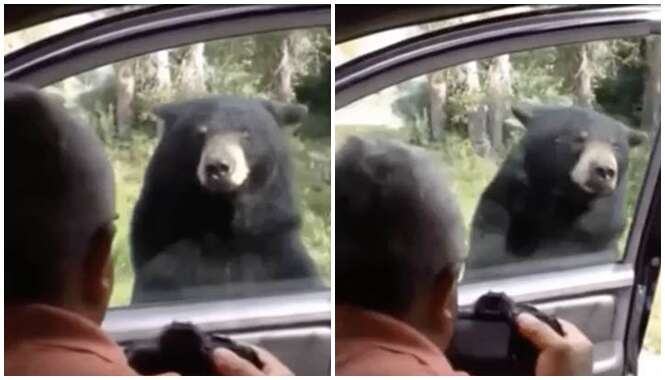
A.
pixel 603 172
pixel 217 170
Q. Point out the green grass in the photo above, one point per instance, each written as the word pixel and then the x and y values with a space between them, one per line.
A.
pixel 129 163
pixel 311 164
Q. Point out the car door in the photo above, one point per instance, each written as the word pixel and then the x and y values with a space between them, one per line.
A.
pixel 381 92
pixel 76 67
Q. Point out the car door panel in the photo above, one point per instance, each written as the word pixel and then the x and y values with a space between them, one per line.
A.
pixel 293 345
pixel 292 326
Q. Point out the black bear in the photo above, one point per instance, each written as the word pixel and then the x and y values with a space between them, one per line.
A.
pixel 560 191
pixel 217 208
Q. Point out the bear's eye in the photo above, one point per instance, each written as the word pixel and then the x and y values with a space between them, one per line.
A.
pixel 615 145
pixel 202 129
pixel 244 134
pixel 581 138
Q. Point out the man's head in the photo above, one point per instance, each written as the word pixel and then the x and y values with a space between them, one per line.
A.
pixel 60 193
pixel 399 235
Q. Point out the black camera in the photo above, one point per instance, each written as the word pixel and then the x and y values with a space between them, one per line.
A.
pixel 186 350
pixel 486 340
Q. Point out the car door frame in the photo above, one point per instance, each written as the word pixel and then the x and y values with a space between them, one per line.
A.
pixel 632 277
pixel 306 314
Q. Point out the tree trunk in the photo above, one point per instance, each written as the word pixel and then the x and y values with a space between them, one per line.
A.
pixel 437 89
pixel 162 70
pixel 651 97
pixel 154 86
pixel 191 79
pixel 477 116
pixel 124 94
pixel 583 94
pixel 283 88
pixel 498 92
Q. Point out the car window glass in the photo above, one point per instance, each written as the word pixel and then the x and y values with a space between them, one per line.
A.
pixel 221 153
pixel 546 149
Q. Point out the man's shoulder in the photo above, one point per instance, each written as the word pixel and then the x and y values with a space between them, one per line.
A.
pixel 50 361
pixel 377 360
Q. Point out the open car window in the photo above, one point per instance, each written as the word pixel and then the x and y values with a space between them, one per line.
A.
pixel 165 98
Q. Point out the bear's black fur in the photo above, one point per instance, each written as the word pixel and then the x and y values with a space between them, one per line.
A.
pixel 193 231
pixel 534 208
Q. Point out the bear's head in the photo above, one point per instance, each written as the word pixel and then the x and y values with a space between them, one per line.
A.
pixel 575 148
pixel 233 142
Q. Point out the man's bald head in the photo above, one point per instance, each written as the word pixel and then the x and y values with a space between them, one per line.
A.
pixel 397 224
pixel 60 193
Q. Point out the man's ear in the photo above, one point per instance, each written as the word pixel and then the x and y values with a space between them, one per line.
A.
pixel 98 267
pixel 286 114
pixel 444 288
pixel 444 305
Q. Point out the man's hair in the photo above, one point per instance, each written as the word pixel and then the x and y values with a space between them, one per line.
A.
pixel 397 225
pixel 59 191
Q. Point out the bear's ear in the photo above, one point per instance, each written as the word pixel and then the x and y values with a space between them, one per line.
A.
pixel 286 114
pixel 636 137
pixel 168 113
pixel 523 112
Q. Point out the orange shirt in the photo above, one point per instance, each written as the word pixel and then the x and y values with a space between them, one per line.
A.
pixel 370 343
pixel 46 340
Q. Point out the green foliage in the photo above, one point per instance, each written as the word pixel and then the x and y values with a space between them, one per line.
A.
pixel 129 164
pixel 639 160
pixel 534 77
pixel 313 90
pixel 413 101
pixel 311 169
pixel 230 67
pixel 620 94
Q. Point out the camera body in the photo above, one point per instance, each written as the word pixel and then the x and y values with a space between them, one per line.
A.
pixel 486 340
pixel 186 350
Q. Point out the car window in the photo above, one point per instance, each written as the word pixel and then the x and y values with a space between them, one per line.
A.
pixel 546 149
pixel 221 153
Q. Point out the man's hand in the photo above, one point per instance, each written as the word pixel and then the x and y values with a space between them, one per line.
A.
pixel 558 355
pixel 230 364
